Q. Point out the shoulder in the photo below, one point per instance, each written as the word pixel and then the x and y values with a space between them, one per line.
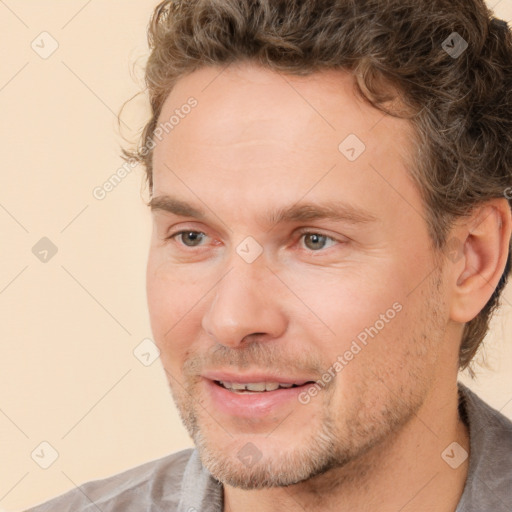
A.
pixel 488 427
pixel 154 485
pixel 489 482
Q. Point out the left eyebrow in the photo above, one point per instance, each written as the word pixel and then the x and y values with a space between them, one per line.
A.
pixel 331 210
pixel 300 212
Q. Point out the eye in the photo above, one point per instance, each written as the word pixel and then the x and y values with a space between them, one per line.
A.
pixel 194 237
pixel 316 241
pixel 313 241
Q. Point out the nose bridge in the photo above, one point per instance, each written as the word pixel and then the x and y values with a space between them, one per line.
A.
pixel 244 302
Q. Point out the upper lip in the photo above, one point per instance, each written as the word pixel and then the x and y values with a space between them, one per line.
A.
pixel 254 377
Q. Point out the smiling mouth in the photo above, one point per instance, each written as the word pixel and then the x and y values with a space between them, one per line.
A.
pixel 257 387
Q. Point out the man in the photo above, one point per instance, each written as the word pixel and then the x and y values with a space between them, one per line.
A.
pixel 329 185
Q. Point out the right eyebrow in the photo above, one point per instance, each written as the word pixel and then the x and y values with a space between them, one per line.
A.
pixel 177 207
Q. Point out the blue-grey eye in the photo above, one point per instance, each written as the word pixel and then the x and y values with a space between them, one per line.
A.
pixel 195 237
pixel 317 241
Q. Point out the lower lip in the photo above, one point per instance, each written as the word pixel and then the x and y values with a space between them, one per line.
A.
pixel 252 405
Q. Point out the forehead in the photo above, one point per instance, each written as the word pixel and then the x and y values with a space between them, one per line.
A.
pixel 242 103
pixel 260 134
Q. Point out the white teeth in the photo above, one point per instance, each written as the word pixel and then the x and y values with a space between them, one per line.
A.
pixel 234 385
pixel 260 386
pixel 256 386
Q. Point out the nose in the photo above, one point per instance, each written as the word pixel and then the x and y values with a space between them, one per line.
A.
pixel 244 303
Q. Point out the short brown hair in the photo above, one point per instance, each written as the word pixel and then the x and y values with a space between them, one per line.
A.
pixel 460 97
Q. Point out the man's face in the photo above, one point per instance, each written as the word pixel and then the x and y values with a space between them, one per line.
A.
pixel 248 295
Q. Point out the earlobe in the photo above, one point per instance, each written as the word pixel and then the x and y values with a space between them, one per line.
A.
pixel 485 240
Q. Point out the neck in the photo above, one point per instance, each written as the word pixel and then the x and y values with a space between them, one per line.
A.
pixel 405 473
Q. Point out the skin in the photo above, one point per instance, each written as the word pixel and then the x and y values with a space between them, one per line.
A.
pixel 372 439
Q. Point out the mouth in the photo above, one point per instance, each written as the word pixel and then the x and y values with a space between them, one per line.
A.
pixel 254 395
pixel 258 387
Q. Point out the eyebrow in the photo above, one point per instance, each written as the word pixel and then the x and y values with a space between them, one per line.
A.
pixel 299 212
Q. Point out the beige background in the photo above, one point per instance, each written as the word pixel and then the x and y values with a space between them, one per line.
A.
pixel 68 375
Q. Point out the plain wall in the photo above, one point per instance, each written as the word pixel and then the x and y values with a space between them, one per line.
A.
pixel 69 326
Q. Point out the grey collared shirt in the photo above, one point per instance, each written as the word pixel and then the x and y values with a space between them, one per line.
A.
pixel 179 483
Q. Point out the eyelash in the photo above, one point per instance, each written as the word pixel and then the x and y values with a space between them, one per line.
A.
pixel 302 233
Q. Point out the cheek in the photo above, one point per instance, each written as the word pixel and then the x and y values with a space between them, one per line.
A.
pixel 174 304
pixel 369 316
pixel 348 302
pixel 172 289
pixel 399 352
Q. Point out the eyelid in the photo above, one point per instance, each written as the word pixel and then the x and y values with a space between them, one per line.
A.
pixel 169 231
pixel 181 231
pixel 314 231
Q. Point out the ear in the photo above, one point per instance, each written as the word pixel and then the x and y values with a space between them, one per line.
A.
pixel 478 262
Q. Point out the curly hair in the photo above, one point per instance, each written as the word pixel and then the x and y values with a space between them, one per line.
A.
pixel 448 61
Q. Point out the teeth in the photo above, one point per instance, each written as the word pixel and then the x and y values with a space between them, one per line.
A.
pixel 256 386
pixel 260 386
pixel 235 385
